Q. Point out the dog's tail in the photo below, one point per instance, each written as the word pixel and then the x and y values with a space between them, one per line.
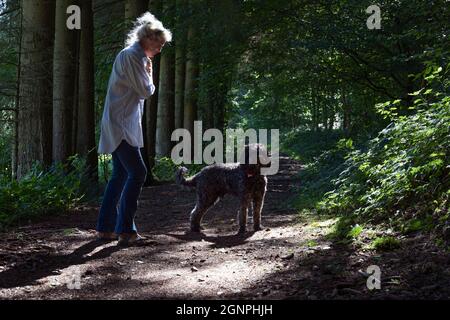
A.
pixel 181 180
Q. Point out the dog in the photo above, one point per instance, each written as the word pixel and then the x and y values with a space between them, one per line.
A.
pixel 243 180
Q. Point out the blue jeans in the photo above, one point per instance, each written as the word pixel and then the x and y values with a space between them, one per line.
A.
pixel 129 173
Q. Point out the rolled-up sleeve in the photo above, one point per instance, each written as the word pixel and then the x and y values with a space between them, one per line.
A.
pixel 137 76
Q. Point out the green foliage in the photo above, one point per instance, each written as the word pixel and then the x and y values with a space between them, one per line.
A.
pixel 165 169
pixel 355 232
pixel 404 172
pixel 312 243
pixel 307 146
pixel 321 166
pixel 385 243
pixel 43 192
pixel 345 229
pixel 5 153
pixel 105 167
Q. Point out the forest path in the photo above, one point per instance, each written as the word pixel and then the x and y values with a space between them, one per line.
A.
pixel 59 258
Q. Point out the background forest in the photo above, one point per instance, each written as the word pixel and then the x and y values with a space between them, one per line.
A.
pixel 366 111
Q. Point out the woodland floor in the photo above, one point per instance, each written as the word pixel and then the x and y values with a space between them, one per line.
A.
pixel 290 259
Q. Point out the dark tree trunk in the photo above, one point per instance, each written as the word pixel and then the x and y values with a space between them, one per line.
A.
pixel 64 65
pixel 35 101
pixel 190 96
pixel 86 145
pixel 166 104
pixel 180 66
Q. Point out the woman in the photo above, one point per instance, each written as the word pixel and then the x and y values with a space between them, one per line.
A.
pixel 121 130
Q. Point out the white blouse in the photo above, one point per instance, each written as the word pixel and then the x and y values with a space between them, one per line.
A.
pixel 128 86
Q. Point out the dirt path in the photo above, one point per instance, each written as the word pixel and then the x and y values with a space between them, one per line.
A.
pixel 290 259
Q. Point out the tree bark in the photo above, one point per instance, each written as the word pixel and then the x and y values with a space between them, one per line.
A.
pixel 35 101
pixel 76 91
pixel 151 110
pixel 64 65
pixel 190 96
pixel 150 114
pixel 166 103
pixel 165 120
pixel 180 66
pixel 15 145
pixel 134 9
pixel 86 145
pixel 346 112
pixel 219 108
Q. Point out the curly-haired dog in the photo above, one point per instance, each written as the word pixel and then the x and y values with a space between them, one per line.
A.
pixel 214 181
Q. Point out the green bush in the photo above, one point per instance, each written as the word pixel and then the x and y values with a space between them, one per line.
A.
pixel 164 169
pixel 385 243
pixel 317 175
pixel 404 172
pixel 5 151
pixel 42 191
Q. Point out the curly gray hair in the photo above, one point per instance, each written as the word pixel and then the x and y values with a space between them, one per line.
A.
pixel 147 26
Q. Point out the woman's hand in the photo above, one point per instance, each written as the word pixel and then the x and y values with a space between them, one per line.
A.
pixel 148 66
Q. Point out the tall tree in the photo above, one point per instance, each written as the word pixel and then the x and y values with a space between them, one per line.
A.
pixel 150 115
pixel 35 101
pixel 133 9
pixel 86 145
pixel 15 142
pixel 166 95
pixel 64 64
pixel 190 87
pixel 180 62
pixel 166 103
pixel 151 109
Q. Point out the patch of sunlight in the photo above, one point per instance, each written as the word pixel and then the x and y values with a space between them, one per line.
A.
pixel 324 224
pixel 100 248
pixel 70 231
pixel 227 276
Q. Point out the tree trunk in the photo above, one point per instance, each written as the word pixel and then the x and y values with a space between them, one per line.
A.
pixel 180 66
pixel 64 65
pixel 86 145
pixel 180 70
pixel 76 91
pixel 150 114
pixel 346 108
pixel 190 96
pixel 166 103
pixel 15 145
pixel 219 108
pixel 208 110
pixel 151 109
pixel 35 101
pixel 314 111
pixel 134 9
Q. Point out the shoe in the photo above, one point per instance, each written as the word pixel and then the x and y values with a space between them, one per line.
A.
pixel 127 239
pixel 106 235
